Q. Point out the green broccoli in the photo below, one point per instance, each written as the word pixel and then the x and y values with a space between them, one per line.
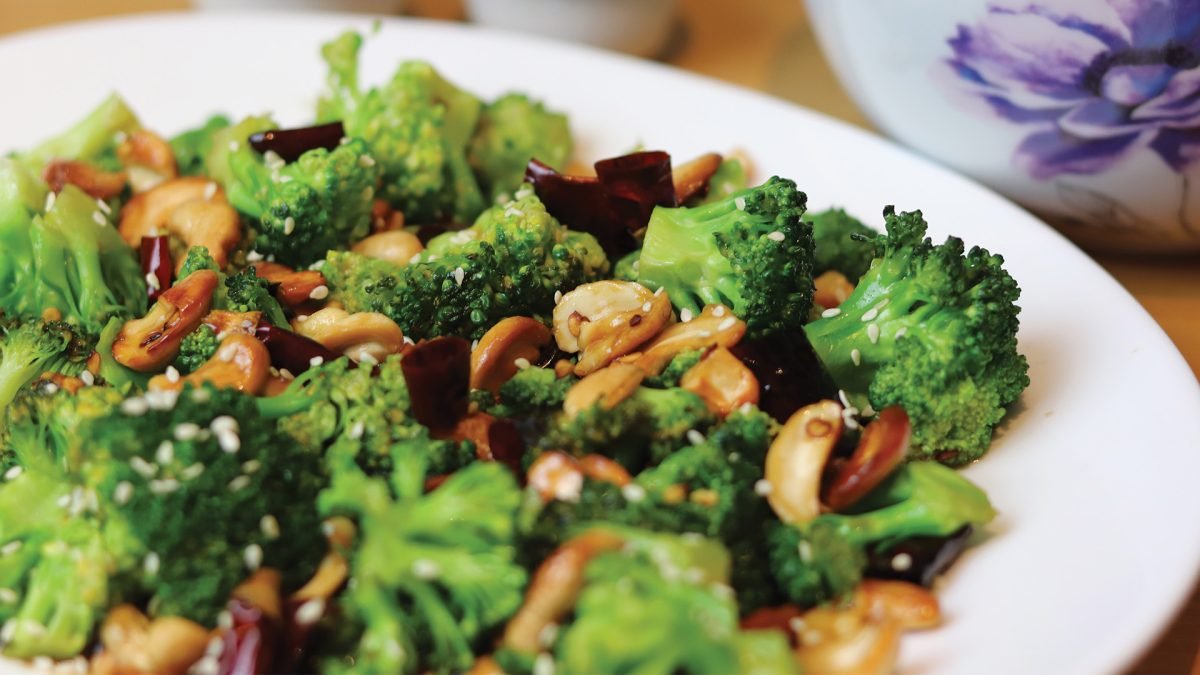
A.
pixel 93 139
pixel 824 559
pixel 931 329
pixel 512 130
pixel 729 178
pixel 191 147
pixel 843 243
pixel 417 126
pixel 201 490
pixel 242 291
pixel 530 391
pixel 676 369
pixel 196 348
pixel 511 262
pixel 299 210
pixel 640 431
pixel 31 347
pixel 626 268
pixel 113 373
pixel 43 425
pixel 69 258
pixel 750 251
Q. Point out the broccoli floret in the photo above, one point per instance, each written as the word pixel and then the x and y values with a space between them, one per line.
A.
pixel 205 490
pixel 300 209
pixel 730 177
pixel 92 139
pixel 197 258
pixel 63 259
pixel 512 130
pixel 640 431
pixel 417 126
pixel 434 573
pixel 44 421
pixel 676 368
pixel 192 146
pixel 843 243
pixel 815 563
pixel 532 390
pixel 31 347
pixel 749 251
pixel 196 348
pixel 242 291
pixel 933 330
pixel 626 268
pixel 510 263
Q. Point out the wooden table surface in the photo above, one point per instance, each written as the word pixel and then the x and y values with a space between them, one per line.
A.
pixel 767 45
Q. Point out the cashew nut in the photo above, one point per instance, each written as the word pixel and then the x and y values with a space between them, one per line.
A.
pixel 224 322
pixel 909 605
pixel 361 336
pixel 723 381
pixel 716 326
pixel 148 158
pixel 96 183
pixel 294 287
pixel 508 346
pixel 330 576
pixel 796 460
pixel 831 289
pixel 606 387
pixel 847 640
pixel 240 362
pixel 261 590
pixel 191 208
pixel 485 665
pixel 394 246
pixel 558 476
pixel 151 342
pixel 555 588
pixel 132 643
pixel 691 178
pixel 605 320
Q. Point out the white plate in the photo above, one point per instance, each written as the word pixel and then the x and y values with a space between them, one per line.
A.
pixel 1095 477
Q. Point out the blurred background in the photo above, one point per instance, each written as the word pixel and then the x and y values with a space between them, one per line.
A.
pixel 767 45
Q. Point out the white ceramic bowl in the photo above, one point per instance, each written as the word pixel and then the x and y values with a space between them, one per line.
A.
pixel 1086 111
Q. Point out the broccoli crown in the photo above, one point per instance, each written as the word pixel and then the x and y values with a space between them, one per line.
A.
pixel 750 251
pixel 814 563
pixel 31 347
pixel 931 329
pixel 92 139
pixel 730 177
pixel 510 263
pixel 197 258
pixel 532 390
pixel 626 268
pixel 417 126
pixel 43 425
pixel 676 369
pixel 63 259
pixel 640 431
pixel 433 573
pixel 319 202
pixel 204 490
pixel 191 147
pixel 843 243
pixel 512 130
pixel 197 347
pixel 248 292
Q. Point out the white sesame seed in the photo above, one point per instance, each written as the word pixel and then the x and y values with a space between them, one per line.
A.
pixel 172 374
pixel 344 139
pixel 151 563
pixel 659 291
pixel 366 161
pixel 152 281
pixel 134 406
pixel 165 453
pixel 694 437
pixel 141 467
pixel 186 431
pixel 409 341
pixel 63 501
pixel 87 378
pixel 856 357
pixel 233 145
pixel 103 206
pixel 805 550
pixel 831 312
pixel 225 620
pixel 289 226
pixel 459 275
pixel 8 596
pixel 740 203
pixel 12 473
pixel 42 663
pixel 49 388
pixel 762 487
pixel 568 487
pixel 310 612
pixel 868 410
pixel 719 311
pixel 356 431
pixel 900 333
pixel 647 306
pixel 776 236
pixel 902 562
pixel 50 197
pixel 223 423
pixel 685 315
pixel 548 635
pixel 557 297
pixel 727 324
pixel 316 361
pixel 192 472
pixel 99 218
pixel 253 256
pixel 873 333
pixel 123 492
pixel 239 483
pixel 165 399
pixel 633 492
pixel 210 190
pixel 269 526
pixel 11 547
pixel 319 293
pixel 286 374
pixel 252 556
pixel 229 441
pixel 224 355
pixel 870 314
pixel 164 486
pixel 426 569
pixel 207 665
pixel 368 193
pixel 415 259
pixel 521 363
pixel 843 398
pixel 543 664
pixel 251 466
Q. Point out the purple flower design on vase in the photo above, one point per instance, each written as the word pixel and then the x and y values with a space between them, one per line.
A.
pixel 1096 80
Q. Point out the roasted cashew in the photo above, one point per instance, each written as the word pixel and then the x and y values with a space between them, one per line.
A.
pixel 605 320
pixel 909 605
pixel 831 289
pixel 261 590
pixel 723 381
pixel 148 158
pixel 716 326
pixel 395 246
pixel 556 475
pixel 240 362
pixel 294 287
pixel 362 336
pixel 796 460
pixel 151 342
pixel 510 345
pixel 691 178
pixel 134 644
pixel 847 640
pixel 601 468
pixel 331 574
pixel 606 387
pixel 224 322
pixel 555 588
pixel 191 208
pixel 96 183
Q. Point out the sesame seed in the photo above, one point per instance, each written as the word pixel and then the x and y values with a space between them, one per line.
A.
pixel 253 256
pixel 233 145
pixel 43 663
pixel 368 359
pixel 902 562
pixel 659 291
pixel 762 487
pixel 870 314
pixel 286 374
pixel 727 324
pixel 103 206
pixel 186 431
pixel 8 596
pixel 210 190
pixel 694 437
pixel 239 483
pixel 252 556
pixel 805 550
pixel 310 612
pixel 165 399
pixel 719 311
pixel 142 467
pixel 289 226
pixel 873 333
pixel 568 487
pixel 459 275
pixel 301 318
pixel 225 620
pixel 165 453
pixel 633 492
pixel 366 161
pixel 557 297
pixel 273 160
pixel 251 466
pixel 87 378
pixel 269 526
pixel 50 197
pixel 192 472
pixel 172 374
pixel 164 486
pixel 843 398
pixel 647 306
pixel 856 357
pixel 229 441
pixel 123 492
pixel 134 406
pixel 900 333
pixel 868 410
pixel 99 218
pixel 543 664
pixel 685 315
pixel 831 312
pixel 426 569
pixel 207 665
pixel 216 645
pixel 316 361
pixel 776 236
pixel 415 259
pixel 548 635
pixel 344 139
pixel 740 203
pixel 12 473
pixel 319 293
pixel 49 389
pixel 409 341
pixel 11 547
pixel 151 563
pixel 356 431
pixel 368 193
pixel 521 363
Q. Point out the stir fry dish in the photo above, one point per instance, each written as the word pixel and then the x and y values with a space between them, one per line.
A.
pixel 410 390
